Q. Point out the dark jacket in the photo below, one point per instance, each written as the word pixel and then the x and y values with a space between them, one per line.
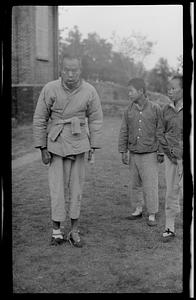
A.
pixel 172 138
pixel 141 128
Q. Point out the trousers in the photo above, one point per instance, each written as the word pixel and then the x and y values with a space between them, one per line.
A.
pixel 144 181
pixel 174 191
pixel 66 179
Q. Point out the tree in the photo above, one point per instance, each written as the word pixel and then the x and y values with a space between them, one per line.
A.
pixel 117 68
pixel 97 54
pixel 180 64
pixel 136 47
pixel 99 60
pixel 157 78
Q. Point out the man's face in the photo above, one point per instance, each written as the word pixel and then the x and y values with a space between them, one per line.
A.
pixel 175 90
pixel 71 71
pixel 134 94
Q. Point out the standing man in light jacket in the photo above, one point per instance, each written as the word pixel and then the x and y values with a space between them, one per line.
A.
pixel 139 134
pixel 61 134
pixel 172 145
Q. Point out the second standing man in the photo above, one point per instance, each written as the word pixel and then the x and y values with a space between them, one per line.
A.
pixel 139 134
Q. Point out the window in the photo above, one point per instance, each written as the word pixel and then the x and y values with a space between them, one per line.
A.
pixel 42 32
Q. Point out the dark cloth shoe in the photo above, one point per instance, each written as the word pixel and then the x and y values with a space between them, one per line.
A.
pixel 132 217
pixel 151 223
pixel 56 241
pixel 74 239
pixel 168 235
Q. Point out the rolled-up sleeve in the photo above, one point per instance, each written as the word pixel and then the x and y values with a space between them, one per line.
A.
pixel 95 120
pixel 123 135
pixel 40 118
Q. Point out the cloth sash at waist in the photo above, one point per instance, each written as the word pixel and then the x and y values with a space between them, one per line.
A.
pixel 57 126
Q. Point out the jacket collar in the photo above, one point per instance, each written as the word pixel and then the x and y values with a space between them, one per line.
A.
pixel 178 106
pixel 143 106
pixel 77 86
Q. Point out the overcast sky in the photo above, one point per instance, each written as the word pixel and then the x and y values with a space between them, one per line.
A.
pixel 162 24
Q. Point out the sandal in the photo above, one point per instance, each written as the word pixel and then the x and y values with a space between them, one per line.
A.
pixel 74 238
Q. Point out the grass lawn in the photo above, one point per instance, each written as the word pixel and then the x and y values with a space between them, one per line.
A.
pixel 22 140
pixel 119 256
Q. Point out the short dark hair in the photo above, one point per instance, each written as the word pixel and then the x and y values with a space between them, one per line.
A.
pixel 178 77
pixel 71 56
pixel 138 84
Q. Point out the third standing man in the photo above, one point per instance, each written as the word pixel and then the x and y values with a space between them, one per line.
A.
pixel 172 144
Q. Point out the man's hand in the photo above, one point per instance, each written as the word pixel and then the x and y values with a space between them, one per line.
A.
pixel 173 160
pixel 91 158
pixel 46 156
pixel 160 158
pixel 173 157
pixel 125 160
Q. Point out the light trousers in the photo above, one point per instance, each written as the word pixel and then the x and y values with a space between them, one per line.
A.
pixel 66 179
pixel 144 181
pixel 174 191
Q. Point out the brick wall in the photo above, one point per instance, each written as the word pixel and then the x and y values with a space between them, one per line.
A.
pixel 24 100
pixel 22 44
pixel 29 73
pixel 14 70
pixel 26 68
pixel 47 70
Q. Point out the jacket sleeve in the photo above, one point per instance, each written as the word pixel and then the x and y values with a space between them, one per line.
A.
pixel 123 135
pixel 94 115
pixel 160 130
pixel 41 117
pixel 163 144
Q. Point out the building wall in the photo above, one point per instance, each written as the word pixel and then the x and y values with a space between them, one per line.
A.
pixel 14 70
pixel 24 99
pixel 46 70
pixel 23 44
pixel 29 72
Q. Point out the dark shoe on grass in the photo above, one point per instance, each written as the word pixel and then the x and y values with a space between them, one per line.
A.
pixel 168 236
pixel 151 223
pixel 134 217
pixel 56 241
pixel 74 239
